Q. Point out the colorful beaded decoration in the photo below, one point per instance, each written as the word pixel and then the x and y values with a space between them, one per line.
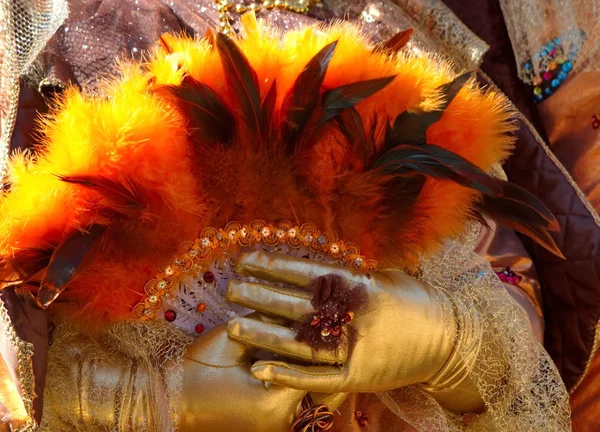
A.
pixel 213 242
pixel 549 67
pixel 508 276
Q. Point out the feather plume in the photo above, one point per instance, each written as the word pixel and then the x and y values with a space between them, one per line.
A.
pixel 141 155
pixel 68 260
pixel 523 212
pixel 410 127
pixel 123 195
pixel 242 80
pixel 343 97
pixel 396 42
pixel 303 98
pixel 434 161
pixel 209 118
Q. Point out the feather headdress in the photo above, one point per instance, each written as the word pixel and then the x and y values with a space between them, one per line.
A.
pixel 381 148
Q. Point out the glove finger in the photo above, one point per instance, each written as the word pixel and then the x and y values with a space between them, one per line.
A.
pixel 277 267
pixel 319 379
pixel 284 302
pixel 280 340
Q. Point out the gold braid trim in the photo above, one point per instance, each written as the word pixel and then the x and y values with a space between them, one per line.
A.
pixel 24 369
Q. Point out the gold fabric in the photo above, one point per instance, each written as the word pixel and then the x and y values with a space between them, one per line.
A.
pixel 567 118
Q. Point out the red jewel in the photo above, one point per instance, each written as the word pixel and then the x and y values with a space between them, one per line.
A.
pixel 208 277
pixel 201 307
pixel 315 322
pixel 170 315
pixel 347 318
pixel 199 328
pixel 547 75
pixel 336 331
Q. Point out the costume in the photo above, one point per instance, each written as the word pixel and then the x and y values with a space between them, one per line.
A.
pixel 223 165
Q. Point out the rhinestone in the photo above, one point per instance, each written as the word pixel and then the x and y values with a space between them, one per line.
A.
pixel 193 253
pixel 147 312
pixel 325 332
pixel 243 232
pixel 169 271
pixel 309 238
pixel 335 248
pixel 322 239
pixel 280 233
pixel 240 8
pixel 255 7
pixel 205 242
pixel 265 232
pixel 232 234
pixel 152 299
pixel 268 4
pixel 208 277
pixel 162 284
pixel 292 232
pixel 170 315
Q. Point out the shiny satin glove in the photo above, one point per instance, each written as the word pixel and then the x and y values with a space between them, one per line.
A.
pixel 407 336
pixel 220 394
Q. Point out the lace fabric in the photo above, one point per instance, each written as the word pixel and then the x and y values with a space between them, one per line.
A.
pixel 532 24
pixel 516 378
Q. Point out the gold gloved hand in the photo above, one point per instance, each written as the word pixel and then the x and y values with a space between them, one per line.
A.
pixel 408 336
pixel 220 394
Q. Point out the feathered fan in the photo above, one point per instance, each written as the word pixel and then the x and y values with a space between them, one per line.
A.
pixel 389 155
pixel 308 109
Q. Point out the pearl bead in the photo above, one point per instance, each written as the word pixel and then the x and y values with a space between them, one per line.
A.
pixel 268 4
pixel 240 8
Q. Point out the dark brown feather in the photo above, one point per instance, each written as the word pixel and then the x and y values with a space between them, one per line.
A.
pixel 437 162
pixel 410 128
pixel 210 120
pixel 268 108
pixel 241 79
pixel 395 43
pixel 341 98
pixel 521 217
pixel 27 262
pixel 303 99
pixel 513 192
pixel 362 146
pixel 124 194
pixel 69 259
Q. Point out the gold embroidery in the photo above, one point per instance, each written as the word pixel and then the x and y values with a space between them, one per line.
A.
pixel 213 242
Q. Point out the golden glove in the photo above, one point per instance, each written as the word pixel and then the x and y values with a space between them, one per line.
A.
pixel 220 394
pixel 93 387
pixel 408 335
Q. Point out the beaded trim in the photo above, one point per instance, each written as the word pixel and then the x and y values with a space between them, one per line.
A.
pixel 550 66
pixel 24 368
pixel 214 241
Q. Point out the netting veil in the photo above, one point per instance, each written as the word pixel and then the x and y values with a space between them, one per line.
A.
pixel 25 27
